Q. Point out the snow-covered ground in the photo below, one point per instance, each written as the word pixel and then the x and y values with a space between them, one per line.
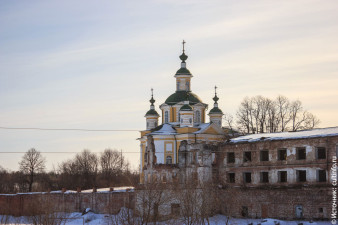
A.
pixel 102 219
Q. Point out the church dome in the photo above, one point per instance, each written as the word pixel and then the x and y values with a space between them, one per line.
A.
pixel 186 108
pixel 180 96
pixel 152 112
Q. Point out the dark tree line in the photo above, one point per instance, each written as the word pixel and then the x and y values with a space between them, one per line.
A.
pixel 86 170
pixel 260 114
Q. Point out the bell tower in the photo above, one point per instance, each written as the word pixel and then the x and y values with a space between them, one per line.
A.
pixel 152 116
pixel 216 113
pixel 183 75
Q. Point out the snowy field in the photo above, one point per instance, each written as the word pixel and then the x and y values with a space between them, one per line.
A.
pixel 96 219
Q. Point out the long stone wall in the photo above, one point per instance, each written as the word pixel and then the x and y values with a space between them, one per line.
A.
pixel 26 204
pixel 285 203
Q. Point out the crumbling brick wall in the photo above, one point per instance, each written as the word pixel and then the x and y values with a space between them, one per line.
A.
pixel 276 202
pixel 33 203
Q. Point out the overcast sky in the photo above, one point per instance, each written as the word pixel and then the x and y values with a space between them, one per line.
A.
pixel 91 64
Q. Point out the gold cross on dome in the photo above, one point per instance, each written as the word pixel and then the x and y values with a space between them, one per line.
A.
pixel 183 42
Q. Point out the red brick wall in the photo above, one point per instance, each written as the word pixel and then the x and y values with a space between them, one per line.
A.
pixel 277 202
pixel 99 202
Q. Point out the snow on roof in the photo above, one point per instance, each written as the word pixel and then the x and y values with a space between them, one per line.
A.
pixel 320 132
pixel 165 129
pixel 202 127
pixel 116 189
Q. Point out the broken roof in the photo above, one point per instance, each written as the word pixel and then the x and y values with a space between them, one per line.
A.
pixel 320 132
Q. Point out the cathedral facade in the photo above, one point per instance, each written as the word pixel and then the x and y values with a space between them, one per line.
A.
pixel 183 120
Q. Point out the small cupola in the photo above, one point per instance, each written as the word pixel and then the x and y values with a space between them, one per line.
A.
pixel 186 115
pixel 183 75
pixel 216 113
pixel 152 116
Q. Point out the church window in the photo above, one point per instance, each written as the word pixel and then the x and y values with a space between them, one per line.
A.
pixel 155 124
pixel 190 120
pixel 178 85
pixel 166 117
pixel 147 124
pixel 198 117
pixel 169 160
pixel 187 85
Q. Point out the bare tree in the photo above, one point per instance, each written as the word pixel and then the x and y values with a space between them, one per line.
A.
pixel 87 166
pixel 283 105
pixel 229 120
pixel 245 115
pixel 260 114
pixel 31 164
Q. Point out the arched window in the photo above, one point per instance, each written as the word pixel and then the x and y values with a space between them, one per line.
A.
pixel 155 124
pixel 187 85
pixel 178 85
pixel 190 120
pixel 198 117
pixel 166 117
pixel 169 160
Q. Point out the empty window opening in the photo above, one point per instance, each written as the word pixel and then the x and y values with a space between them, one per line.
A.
pixel 264 155
pixel 231 157
pixel 154 178
pixel 164 178
pixel 301 153
pixel 264 177
pixel 175 209
pixel 301 175
pixel 231 177
pixel 282 176
pixel 282 154
pixel 321 153
pixel 247 177
pixel 245 211
pixel 146 157
pixel 321 175
pixel 320 210
pixel 247 157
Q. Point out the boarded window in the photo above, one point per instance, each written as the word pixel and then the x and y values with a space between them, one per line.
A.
pixel 264 177
pixel 282 176
pixel 321 153
pixel 301 175
pixel 231 177
pixel 321 175
pixel 282 154
pixel 247 177
pixel 301 153
pixel 264 155
pixel 247 157
pixel 231 157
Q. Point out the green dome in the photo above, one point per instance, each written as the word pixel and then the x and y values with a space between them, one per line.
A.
pixel 152 112
pixel 183 71
pixel 180 96
pixel 215 110
pixel 186 108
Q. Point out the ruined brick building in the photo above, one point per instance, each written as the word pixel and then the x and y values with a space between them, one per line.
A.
pixel 280 175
